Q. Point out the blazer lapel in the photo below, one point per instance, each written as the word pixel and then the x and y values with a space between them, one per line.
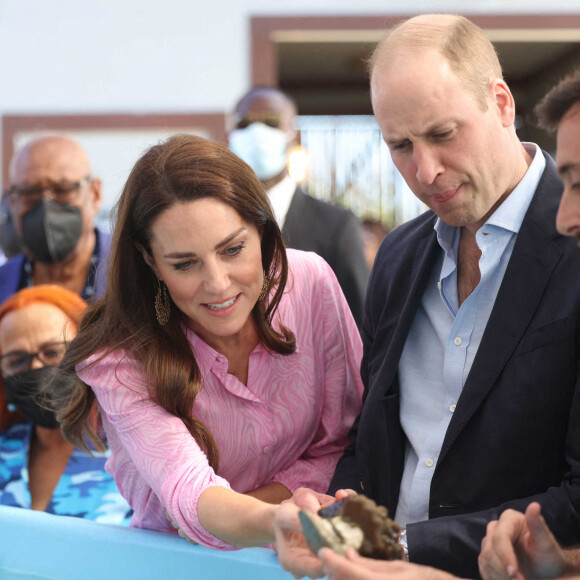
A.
pixel 296 212
pixel 534 258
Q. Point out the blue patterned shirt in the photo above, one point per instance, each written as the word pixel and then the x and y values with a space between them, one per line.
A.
pixel 85 489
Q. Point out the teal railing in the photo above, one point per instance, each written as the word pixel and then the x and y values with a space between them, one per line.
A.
pixel 39 546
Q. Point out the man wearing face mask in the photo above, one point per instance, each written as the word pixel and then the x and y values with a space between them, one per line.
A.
pixel 53 200
pixel 262 136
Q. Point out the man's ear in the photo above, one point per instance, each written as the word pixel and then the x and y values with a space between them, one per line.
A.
pixel 96 186
pixel 148 259
pixel 504 101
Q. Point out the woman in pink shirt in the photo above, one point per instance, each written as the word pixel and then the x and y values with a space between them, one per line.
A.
pixel 226 369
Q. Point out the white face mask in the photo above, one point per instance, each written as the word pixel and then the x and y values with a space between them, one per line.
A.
pixel 263 148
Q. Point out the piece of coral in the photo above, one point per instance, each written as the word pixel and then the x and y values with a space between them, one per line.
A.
pixel 355 521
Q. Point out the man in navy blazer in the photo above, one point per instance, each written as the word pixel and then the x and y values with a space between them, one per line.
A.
pixel 472 317
pixel 498 369
pixel 54 200
pixel 262 135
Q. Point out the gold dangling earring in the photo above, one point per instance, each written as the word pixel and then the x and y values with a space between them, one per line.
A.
pixel 264 289
pixel 162 303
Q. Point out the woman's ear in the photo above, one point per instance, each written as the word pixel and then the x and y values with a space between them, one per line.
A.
pixel 148 259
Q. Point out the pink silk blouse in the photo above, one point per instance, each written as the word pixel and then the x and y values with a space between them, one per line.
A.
pixel 288 425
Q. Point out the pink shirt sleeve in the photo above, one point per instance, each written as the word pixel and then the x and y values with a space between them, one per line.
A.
pixel 159 445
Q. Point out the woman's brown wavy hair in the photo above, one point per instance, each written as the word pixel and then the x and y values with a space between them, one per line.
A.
pixel 182 169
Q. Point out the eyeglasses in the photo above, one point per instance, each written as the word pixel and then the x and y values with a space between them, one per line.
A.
pixel 62 191
pixel 19 361
pixel 271 120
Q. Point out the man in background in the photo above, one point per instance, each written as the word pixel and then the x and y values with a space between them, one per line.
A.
pixel 263 134
pixel 53 200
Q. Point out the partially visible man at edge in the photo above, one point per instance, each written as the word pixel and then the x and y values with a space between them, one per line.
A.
pixel 518 545
pixel 472 316
pixel 54 199
pixel 263 133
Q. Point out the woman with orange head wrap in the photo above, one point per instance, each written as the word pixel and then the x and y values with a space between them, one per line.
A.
pixel 38 468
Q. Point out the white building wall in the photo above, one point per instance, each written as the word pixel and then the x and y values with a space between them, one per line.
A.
pixel 140 56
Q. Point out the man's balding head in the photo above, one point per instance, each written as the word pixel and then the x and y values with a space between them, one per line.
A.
pixel 49 163
pixel 53 157
pixel 447 117
pixel 263 101
pixel 471 56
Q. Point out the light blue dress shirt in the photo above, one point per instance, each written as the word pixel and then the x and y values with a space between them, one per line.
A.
pixel 444 339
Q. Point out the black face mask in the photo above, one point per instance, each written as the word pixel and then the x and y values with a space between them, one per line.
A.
pixel 28 392
pixel 51 230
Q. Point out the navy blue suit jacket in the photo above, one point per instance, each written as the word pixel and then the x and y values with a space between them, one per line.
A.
pixel 515 434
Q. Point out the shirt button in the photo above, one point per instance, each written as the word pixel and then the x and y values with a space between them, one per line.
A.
pixel 452 408
pixel 266 450
pixel 439 285
pixel 457 341
pixel 429 462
